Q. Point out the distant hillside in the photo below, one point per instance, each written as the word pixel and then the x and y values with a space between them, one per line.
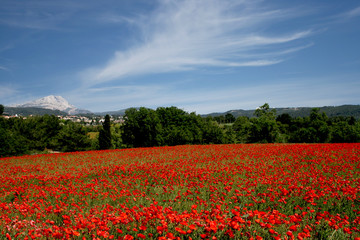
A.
pixel 114 113
pixel 27 111
pixel 331 111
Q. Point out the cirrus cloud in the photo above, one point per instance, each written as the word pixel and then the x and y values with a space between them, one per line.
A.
pixel 188 34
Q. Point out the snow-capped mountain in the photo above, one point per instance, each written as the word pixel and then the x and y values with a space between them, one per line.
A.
pixel 54 103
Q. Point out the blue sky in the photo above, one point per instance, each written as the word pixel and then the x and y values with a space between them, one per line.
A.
pixel 198 55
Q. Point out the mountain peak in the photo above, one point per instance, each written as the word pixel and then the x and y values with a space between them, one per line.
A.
pixel 54 103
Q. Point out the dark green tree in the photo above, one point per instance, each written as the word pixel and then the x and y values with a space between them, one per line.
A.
pixel 141 128
pixel 284 118
pixel 343 132
pixel 72 137
pixel 179 127
pixel 229 134
pixel 173 129
pixel 220 119
pixel 241 128
pixel 195 124
pixel 264 128
pixel 285 123
pixel 1 109
pixel 46 130
pixel 303 135
pixel 40 131
pixel 319 122
pixel 11 143
pixel 213 134
pixel 105 134
pixel 265 111
pixel 312 129
pixel 229 118
pixel 116 136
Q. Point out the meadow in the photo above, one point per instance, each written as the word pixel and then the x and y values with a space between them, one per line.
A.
pixel 235 191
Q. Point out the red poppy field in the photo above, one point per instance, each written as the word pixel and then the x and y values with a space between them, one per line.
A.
pixel 255 191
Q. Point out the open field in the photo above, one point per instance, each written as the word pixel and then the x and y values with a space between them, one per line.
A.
pixel 269 191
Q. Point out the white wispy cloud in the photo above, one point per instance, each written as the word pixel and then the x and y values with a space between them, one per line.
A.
pixel 112 18
pixel 346 16
pixel 4 68
pixel 187 34
pixel 353 13
pixel 40 15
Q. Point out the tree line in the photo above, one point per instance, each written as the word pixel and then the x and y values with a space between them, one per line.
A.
pixel 168 126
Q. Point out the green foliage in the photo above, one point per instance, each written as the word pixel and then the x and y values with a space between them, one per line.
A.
pixel 37 134
pixel 312 129
pixel 116 136
pixel 330 111
pixel 45 131
pixel 72 137
pixel 105 134
pixel 220 119
pixel 343 132
pixel 264 128
pixel 212 133
pixel 1 109
pixel 242 127
pixel 229 118
pixel 12 144
pixel 168 126
pixel 39 131
pixel 284 118
pixel 171 126
pixel 315 128
pixel 264 111
pixel 141 128
pixel 229 135
pixel 319 123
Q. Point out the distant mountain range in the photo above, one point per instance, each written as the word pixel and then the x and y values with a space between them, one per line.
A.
pixel 55 103
pixel 27 111
pixel 112 113
pixel 58 105
pixel 331 111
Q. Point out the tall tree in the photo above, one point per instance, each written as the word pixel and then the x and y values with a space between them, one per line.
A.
pixel 11 142
pixel 141 128
pixel 318 121
pixel 229 118
pixel 264 111
pixel 105 134
pixel 1 109
pixel 242 126
pixel 72 137
pixel 264 128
